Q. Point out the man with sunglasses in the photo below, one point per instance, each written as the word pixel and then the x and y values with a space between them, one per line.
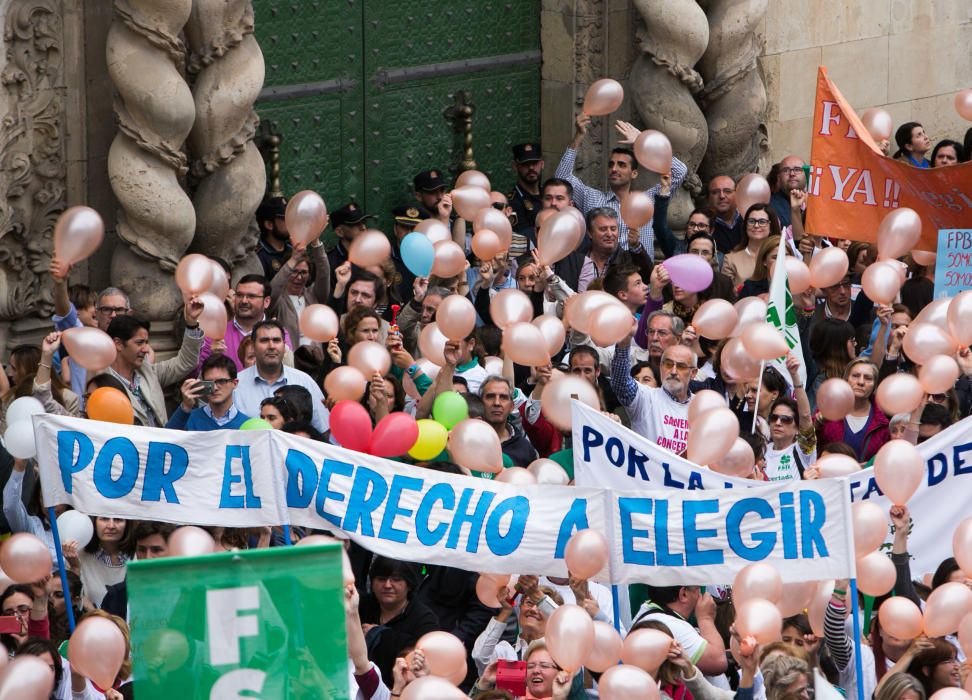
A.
pixel 219 412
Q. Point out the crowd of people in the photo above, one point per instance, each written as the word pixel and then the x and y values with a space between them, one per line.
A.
pixel 265 366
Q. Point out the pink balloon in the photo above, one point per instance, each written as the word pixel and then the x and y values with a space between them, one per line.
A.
pixel 833 466
pixel 490 219
pixel 603 97
pixel 91 348
pixel 963 104
pixel 434 230
pixel 962 544
pixel 637 209
pixel 796 597
pixel 752 189
pixel 547 471
pixel 555 400
pixel 449 259
pixel 221 281
pixel 611 324
pixel 938 374
pixel 306 217
pixel 654 151
pixel 797 274
pixel 559 237
pixel 925 340
pixel 486 245
pixel 960 317
pixel 715 319
pixel 456 317
pixel 394 435
pixel 525 345
pixel 626 682
pixel 899 393
pixel 345 383
pixel 606 650
pixel 580 308
pixel 25 558
pixel 748 310
pixel 191 541
pixel 486 589
pixel 738 363
pixel 569 636
pixel 900 618
pixel 350 424
pixel 898 233
pixel 432 344
pixel 213 318
pixel 469 200
pixel 881 282
pixel 194 274
pixel 936 313
pixel 835 399
pixel 77 234
pixel 875 574
pixel 510 306
pixel 965 634
pixel 828 267
pixel 586 553
pixel 763 341
pixel 712 435
pixel 445 654
pixel 738 461
pixel 369 249
pixel 703 401
pixel 899 470
pixel 945 608
pixel 757 580
pixel 760 619
pixel 553 331
pixel 369 357
pixel 877 122
pixel 923 257
pixel 870 527
pixel 818 606
pixel 472 178
pixel 953 693
pixel 518 476
pixel 647 649
pixel 26 678
pixel 96 650
pixel 432 688
pixel 690 272
pixel 474 444
pixel 319 323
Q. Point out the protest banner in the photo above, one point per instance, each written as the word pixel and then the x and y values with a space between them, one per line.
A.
pixel 617 458
pixel 853 186
pixel 424 515
pixel 953 264
pixel 263 623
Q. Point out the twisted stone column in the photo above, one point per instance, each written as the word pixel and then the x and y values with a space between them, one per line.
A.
pixel 672 41
pixel 228 71
pixel 155 112
pixel 734 97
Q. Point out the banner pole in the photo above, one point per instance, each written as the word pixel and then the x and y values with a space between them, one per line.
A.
pixel 68 601
pixel 617 607
pixel 759 387
pixel 858 662
pixel 287 538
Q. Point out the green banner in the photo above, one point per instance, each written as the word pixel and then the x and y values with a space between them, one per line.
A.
pixel 264 623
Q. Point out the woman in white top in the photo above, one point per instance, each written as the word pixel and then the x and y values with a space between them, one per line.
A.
pixel 103 560
pixel 793 440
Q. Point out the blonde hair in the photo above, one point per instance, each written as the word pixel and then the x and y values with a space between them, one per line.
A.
pixel 780 672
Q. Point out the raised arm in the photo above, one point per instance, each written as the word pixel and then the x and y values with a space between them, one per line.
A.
pixel 322 276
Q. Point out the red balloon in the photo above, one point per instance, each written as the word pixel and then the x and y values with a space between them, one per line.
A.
pixel 394 435
pixel 351 425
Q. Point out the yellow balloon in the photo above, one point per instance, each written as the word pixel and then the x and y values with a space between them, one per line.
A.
pixel 431 441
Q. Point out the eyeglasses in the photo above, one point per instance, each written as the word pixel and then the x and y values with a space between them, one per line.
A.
pixel 499 206
pixel 696 226
pixel 938 398
pixel 249 297
pixel 672 364
pixel 544 665
pixel 781 418
pixel 791 171
pixel 113 310
pixel 757 223
pixel 300 273
pixel 57 594
pixel 22 609
pixel 222 381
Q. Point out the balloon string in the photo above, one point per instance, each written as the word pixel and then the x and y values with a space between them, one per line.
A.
pixel 60 566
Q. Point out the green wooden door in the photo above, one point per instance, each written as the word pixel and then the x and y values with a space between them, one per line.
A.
pixel 358 91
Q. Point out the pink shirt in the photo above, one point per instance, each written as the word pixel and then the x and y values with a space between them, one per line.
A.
pixel 234 338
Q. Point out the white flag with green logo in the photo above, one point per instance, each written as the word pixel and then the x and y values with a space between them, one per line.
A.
pixel 782 314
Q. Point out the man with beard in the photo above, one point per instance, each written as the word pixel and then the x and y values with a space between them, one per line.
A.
pixel 727 228
pixel 792 177
pixel 274 249
pixel 525 198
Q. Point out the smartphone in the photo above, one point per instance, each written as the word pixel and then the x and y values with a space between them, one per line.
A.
pixel 511 677
pixel 206 388
pixel 10 624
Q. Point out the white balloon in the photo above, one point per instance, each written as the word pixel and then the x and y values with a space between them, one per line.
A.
pixel 74 525
pixel 19 440
pixel 22 409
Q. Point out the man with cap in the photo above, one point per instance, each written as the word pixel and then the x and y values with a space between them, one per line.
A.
pixel 430 193
pixel 525 197
pixel 348 222
pixel 406 218
pixel 274 248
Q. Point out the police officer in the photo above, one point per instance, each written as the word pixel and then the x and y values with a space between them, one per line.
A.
pixel 430 193
pixel 406 218
pixel 274 248
pixel 525 198
pixel 348 222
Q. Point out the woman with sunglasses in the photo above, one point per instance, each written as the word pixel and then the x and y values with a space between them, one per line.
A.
pixel 793 441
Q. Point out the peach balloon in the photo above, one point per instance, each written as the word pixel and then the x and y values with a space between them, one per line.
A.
pixel 963 104
pixel 881 282
pixel 432 344
pixel 194 274
pixel 900 618
pixel 703 401
pixel 450 259
pixel 960 317
pixel 510 306
pixel 469 200
pixel 945 608
pixel 191 541
pixel 818 606
pixel 493 365
pixel 654 151
pixel 25 678
pixel 345 383
pixel 221 281
pixel 432 688
pixel 715 319
pixel 474 444
pixel 763 341
pixel 876 574
pixel 738 461
pixel 935 313
pixel 938 374
pixel 543 216
pixel 369 357
pixel 797 274
pixel 796 597
pixel 748 310
pixel 586 553
pixel 486 590
pixel 559 237
pixel 553 331
pixel 547 471
pixel 712 435
pixel 25 558
pixel 555 400
pixel 627 682
pixel 456 317
pixel 877 122
pixel 486 244
pixel 306 217
pixel 760 619
pixel 445 654
pixel 369 249
pixel 77 234
pixel 757 580
pixel 899 393
pixel 434 230
pixel 953 693
pixel 828 267
pixel 213 318
pixel 606 650
pixel 611 324
pixel 525 345
pixel 738 362
pixel 925 340
pixel 319 323
pixel 518 476
pixel 490 219
pixel 637 209
pixel 473 178
pixel 899 470
pixel 752 189
pixel 832 466
pixel 870 527
pixel 569 636
pixel 647 649
pixel 97 649
pixel 923 257
pixel 91 348
pixel 603 97
pixel 962 544
pixel 835 398
pixel 579 312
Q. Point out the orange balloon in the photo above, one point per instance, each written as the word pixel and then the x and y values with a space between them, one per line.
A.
pixel 603 97
pixel 449 260
pixel 369 249
pixel 213 318
pixel 306 217
pixel 77 234
pixel 473 178
pixel 486 245
pixel 637 209
pixel 469 200
pixel 110 405
pixel 194 274
pixel 490 219
pixel 456 317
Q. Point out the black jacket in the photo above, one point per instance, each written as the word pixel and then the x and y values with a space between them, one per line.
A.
pixel 386 642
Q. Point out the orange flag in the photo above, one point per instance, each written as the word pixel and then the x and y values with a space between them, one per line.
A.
pixel 853 186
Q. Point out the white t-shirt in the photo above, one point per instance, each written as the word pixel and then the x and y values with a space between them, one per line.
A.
pixel 659 417
pixel 781 464
pixel 692 643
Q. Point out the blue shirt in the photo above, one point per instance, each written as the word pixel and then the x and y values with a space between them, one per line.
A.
pixel 79 374
pixel 202 419
pixel 253 389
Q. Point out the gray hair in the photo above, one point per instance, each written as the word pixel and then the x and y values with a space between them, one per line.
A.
pixel 439 292
pixel 780 671
pixel 600 211
pixel 112 292
pixel 899 418
pixel 495 378
pixel 678 325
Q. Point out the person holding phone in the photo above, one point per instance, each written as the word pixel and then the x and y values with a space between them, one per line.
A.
pixel 219 412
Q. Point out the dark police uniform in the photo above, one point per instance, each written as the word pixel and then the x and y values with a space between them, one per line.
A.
pixel 525 205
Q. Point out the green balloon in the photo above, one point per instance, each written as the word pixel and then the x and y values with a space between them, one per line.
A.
pixel 450 408
pixel 256 424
